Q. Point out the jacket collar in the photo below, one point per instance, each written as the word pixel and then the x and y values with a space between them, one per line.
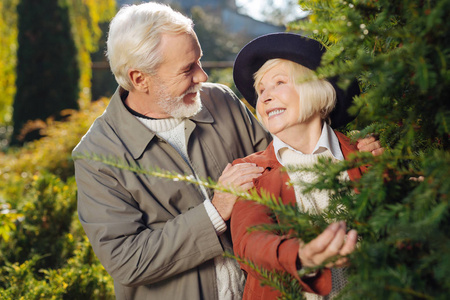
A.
pixel 266 158
pixel 327 141
pixel 134 135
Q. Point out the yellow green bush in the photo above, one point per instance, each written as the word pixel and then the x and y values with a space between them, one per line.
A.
pixel 51 153
pixel 44 253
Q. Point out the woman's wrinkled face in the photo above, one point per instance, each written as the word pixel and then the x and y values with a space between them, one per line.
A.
pixel 278 103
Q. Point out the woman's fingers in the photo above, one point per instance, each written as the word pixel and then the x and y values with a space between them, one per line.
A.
pixel 348 246
pixel 350 243
pixel 240 175
pixel 370 144
pixel 332 242
pixel 312 253
pixel 336 244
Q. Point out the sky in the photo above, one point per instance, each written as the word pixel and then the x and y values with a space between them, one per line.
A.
pixel 253 8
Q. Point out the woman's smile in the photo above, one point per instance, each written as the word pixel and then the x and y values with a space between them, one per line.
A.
pixel 275 112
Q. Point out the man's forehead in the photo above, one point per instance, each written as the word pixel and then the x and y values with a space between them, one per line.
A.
pixel 180 50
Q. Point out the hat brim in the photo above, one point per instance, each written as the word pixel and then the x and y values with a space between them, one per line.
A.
pixel 296 48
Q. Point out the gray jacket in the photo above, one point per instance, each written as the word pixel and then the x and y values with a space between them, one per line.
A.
pixel 153 235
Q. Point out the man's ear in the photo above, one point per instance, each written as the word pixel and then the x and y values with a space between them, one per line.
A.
pixel 139 79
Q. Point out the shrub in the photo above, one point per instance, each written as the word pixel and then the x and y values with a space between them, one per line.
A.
pixel 45 253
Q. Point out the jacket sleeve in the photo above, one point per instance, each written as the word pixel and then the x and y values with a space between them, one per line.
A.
pixel 267 249
pixel 132 252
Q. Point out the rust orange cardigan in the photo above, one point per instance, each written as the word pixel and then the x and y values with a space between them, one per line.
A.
pixel 265 249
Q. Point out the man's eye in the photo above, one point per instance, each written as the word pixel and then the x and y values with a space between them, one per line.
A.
pixel 188 70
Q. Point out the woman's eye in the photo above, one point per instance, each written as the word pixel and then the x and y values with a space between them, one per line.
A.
pixel 280 82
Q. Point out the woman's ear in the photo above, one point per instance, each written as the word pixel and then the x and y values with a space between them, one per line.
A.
pixel 139 80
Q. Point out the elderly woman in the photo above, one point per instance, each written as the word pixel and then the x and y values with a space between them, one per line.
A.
pixel 299 113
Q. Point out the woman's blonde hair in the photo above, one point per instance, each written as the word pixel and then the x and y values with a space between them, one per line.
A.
pixel 134 38
pixel 315 95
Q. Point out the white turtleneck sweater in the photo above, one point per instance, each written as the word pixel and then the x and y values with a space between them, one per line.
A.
pixel 230 279
pixel 316 201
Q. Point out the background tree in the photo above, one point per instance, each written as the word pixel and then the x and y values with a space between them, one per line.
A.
pixel 217 44
pixel 8 40
pixel 103 82
pixel 87 19
pixel 83 19
pixel 47 68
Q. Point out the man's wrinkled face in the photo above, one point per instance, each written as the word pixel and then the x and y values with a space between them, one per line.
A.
pixel 177 107
pixel 179 77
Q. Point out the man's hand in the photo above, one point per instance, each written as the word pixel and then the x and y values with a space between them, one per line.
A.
pixel 239 177
pixel 331 242
pixel 370 144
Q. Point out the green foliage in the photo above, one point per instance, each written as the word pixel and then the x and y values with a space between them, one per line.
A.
pixel 86 18
pixel 399 50
pixel 8 40
pixel 49 154
pixel 47 207
pixel 8 219
pixel 48 254
pixel 44 252
pixel 82 277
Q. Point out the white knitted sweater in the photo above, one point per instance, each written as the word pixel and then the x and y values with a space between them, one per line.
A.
pixel 314 202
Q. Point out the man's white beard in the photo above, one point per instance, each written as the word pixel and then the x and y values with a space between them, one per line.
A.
pixel 176 106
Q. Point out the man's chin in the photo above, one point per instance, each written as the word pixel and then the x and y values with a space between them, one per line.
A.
pixel 189 108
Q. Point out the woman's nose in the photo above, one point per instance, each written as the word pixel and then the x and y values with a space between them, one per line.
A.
pixel 266 96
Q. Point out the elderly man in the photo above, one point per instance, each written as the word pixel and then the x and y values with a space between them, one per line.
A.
pixel 162 239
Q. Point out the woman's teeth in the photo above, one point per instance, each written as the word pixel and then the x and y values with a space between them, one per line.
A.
pixel 276 112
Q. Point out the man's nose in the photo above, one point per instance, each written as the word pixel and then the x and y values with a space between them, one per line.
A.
pixel 199 75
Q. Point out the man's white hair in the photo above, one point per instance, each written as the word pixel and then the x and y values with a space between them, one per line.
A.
pixel 135 36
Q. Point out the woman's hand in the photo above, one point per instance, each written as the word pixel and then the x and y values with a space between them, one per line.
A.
pixel 331 242
pixel 239 177
pixel 370 144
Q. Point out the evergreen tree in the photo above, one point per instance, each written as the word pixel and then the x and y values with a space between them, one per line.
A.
pixel 399 51
pixel 47 67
